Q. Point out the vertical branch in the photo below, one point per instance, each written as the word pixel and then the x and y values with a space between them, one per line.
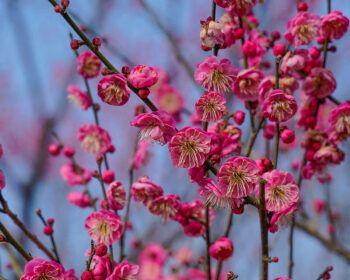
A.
pixel 264 233
pixel 52 239
pixel 207 240
pixel 277 144
pixel 24 229
pixel 126 217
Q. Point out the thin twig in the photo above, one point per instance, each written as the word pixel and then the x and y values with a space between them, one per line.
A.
pixel 10 239
pixel 24 229
pixel 52 239
pixel 264 233
pixel 207 240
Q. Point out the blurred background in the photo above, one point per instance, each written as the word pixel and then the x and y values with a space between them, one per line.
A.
pixel 37 65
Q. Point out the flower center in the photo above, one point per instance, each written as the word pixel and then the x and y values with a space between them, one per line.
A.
pixel 91 143
pixel 114 92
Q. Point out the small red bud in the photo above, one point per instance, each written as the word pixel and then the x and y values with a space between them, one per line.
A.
pixel 321 40
pixel 2 238
pixel 326 276
pixel 287 136
pixel 58 9
pixel 94 174
pixel 54 149
pixel 48 230
pixel 68 152
pixel 74 44
pixel 279 49
pixel 205 48
pixel 303 7
pixel 314 53
pixel 50 221
pixel 65 3
pixel 97 41
pixel 87 275
pixel 249 49
pixel 275 259
pixel 333 49
pixel 144 93
pixel 108 176
pixel 111 149
pixel 239 117
pixel 330 268
pixel 275 35
pixel 101 250
pixel 238 33
pixel 126 70
pixel 309 155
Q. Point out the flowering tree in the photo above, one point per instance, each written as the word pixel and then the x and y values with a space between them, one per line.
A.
pixel 263 95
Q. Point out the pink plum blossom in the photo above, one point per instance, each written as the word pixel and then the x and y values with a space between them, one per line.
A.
pixel 215 75
pixel 78 97
pixel 89 65
pixel 113 90
pixel 156 126
pixel 104 227
pixel 142 76
pixel 94 139
pixel 189 147
pixel 211 106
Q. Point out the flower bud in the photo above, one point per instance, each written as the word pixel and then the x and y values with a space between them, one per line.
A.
pixel 101 250
pixel 68 152
pixel 288 136
pixel 239 117
pixel 279 49
pixel 54 149
pixel 108 176
pixel 144 93
pixel 48 230
pixel 303 7
pixel 86 275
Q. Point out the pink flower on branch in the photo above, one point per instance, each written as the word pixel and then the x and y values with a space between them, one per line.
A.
pixel 280 190
pixel 78 97
pixel 238 177
pixel 189 147
pixel 116 196
pixel 39 268
pixel 334 25
pixel 279 106
pixel 94 139
pixel 113 90
pixel 211 106
pixel 215 75
pixel 104 227
pixel 89 65
pixel 143 76
pixel 156 126
pixel 145 191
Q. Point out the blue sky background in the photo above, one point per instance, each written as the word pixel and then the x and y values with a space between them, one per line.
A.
pixel 36 65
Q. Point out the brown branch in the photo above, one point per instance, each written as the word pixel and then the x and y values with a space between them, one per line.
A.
pixel 264 233
pixel 24 229
pixel 52 239
pixel 326 242
pixel 10 239
pixel 207 242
